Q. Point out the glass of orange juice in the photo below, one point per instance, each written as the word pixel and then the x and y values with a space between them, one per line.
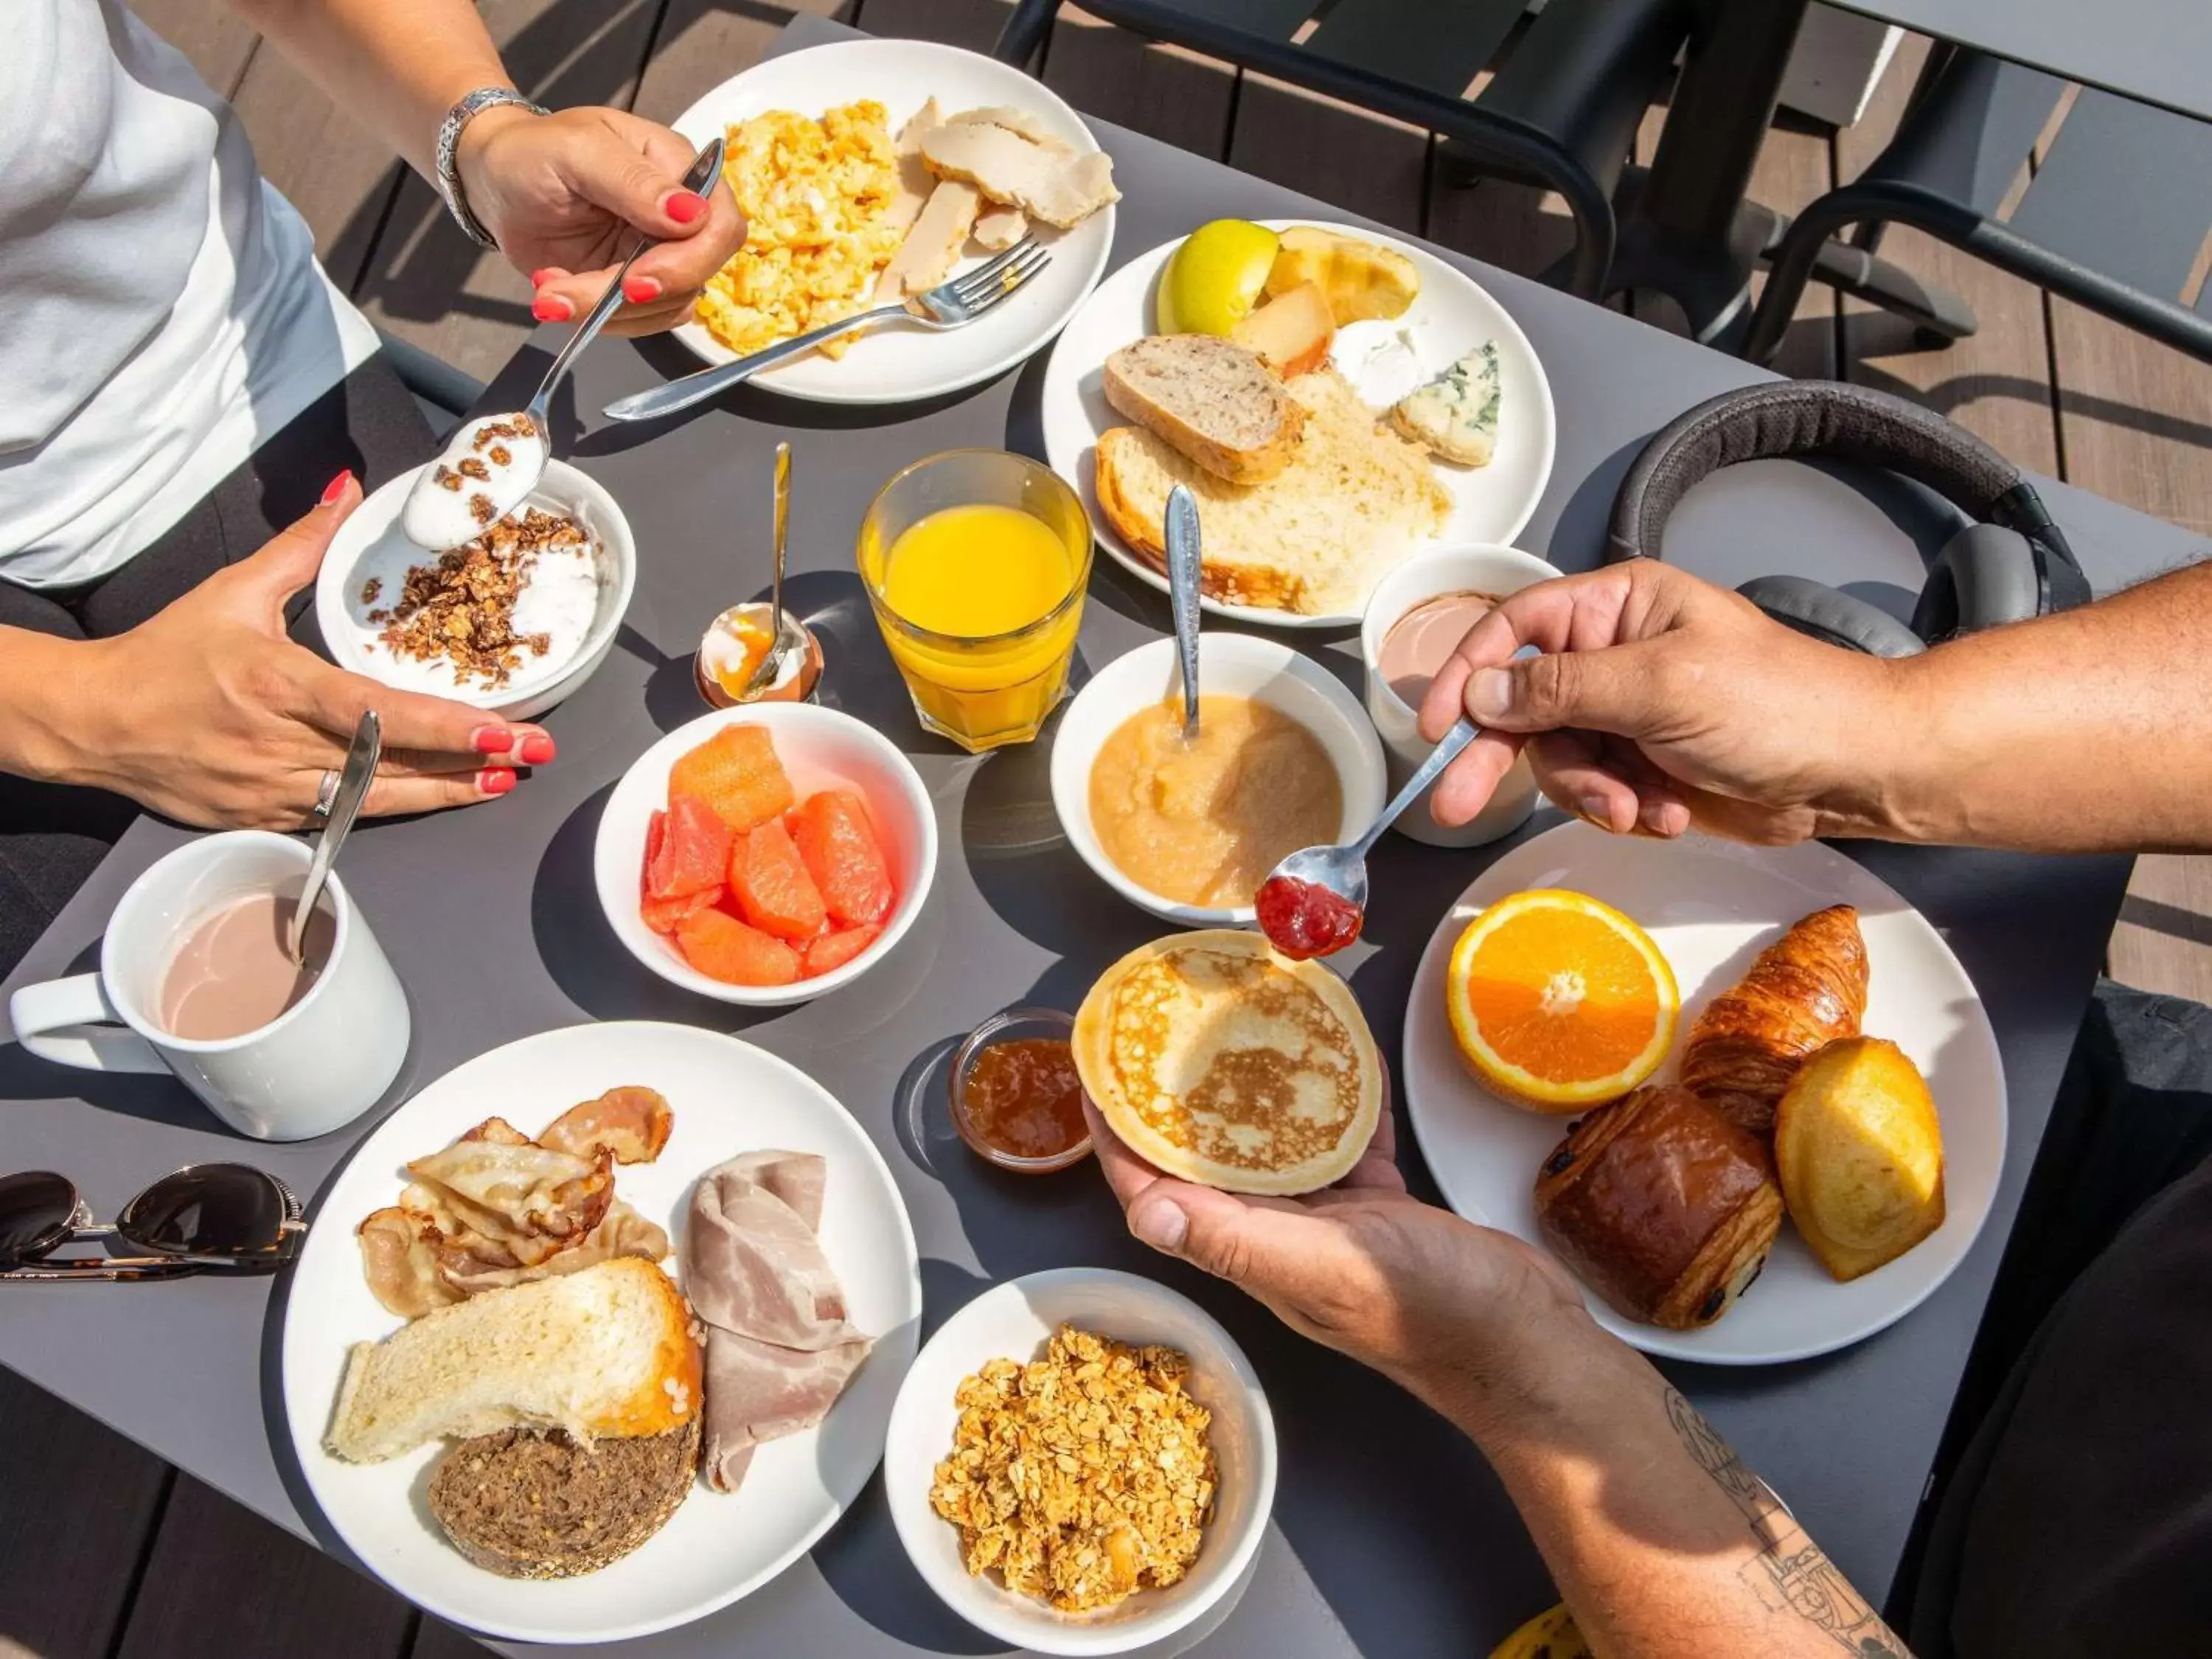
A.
pixel 976 562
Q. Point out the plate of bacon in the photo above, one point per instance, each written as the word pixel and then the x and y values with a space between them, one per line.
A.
pixel 613 1357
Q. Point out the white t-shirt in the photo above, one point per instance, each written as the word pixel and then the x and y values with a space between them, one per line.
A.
pixel 161 312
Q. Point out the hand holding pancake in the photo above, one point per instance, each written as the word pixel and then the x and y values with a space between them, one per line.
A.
pixel 1455 1312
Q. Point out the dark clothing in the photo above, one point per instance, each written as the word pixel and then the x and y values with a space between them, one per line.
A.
pixel 2078 1519
pixel 51 837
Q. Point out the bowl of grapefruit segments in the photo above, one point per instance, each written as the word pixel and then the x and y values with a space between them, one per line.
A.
pixel 765 854
pixel 1559 1002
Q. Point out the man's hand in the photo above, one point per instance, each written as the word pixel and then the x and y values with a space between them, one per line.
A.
pixel 1451 1311
pixel 207 712
pixel 1661 702
pixel 566 194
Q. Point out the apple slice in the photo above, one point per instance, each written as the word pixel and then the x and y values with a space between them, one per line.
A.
pixel 1291 333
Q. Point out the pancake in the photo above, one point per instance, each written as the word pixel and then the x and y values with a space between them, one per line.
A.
pixel 1222 1063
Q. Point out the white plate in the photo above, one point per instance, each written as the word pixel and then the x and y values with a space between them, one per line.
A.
pixel 895 364
pixel 1452 315
pixel 1013 1320
pixel 1712 906
pixel 728 1098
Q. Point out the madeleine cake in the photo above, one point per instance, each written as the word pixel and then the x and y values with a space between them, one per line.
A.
pixel 1222 1063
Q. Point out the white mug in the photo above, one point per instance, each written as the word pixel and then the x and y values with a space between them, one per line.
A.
pixel 320 1063
pixel 1497 571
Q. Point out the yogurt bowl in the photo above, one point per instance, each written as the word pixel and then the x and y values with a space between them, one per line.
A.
pixel 577 600
pixel 1228 664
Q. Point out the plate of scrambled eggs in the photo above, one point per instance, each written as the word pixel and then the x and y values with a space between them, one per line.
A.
pixel 812 159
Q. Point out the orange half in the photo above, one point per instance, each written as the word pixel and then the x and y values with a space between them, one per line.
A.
pixel 1559 1002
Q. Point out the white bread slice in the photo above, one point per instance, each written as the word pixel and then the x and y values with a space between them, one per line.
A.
pixel 1354 501
pixel 1209 399
pixel 608 1351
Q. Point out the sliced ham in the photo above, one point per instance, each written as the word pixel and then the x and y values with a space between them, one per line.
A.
pixel 915 180
pixel 998 228
pixel 1014 120
pixel 932 247
pixel 779 1349
pixel 1051 183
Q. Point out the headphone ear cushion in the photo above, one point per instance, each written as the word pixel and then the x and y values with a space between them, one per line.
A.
pixel 1833 617
pixel 1984 577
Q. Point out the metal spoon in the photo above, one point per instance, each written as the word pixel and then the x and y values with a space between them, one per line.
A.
pixel 1342 870
pixel 782 638
pixel 1183 567
pixel 512 485
pixel 345 806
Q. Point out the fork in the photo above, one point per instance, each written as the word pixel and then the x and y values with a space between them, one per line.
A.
pixel 951 304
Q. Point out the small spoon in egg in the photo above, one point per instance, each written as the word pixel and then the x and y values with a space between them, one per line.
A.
pixel 491 466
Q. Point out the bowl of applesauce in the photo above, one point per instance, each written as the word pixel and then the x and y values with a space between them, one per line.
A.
pixel 1286 758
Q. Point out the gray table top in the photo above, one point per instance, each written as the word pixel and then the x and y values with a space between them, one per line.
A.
pixel 2159 51
pixel 1390 1535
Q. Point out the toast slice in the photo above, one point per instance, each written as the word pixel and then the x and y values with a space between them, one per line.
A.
pixel 526 1504
pixel 1210 400
pixel 1353 504
pixel 608 1351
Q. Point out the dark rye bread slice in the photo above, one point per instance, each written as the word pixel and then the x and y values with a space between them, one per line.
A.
pixel 524 1504
pixel 1211 400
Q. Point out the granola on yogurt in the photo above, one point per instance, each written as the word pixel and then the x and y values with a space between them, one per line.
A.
pixel 1082 1476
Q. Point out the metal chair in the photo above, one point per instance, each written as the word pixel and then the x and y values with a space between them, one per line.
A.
pixel 2113 218
pixel 1560 113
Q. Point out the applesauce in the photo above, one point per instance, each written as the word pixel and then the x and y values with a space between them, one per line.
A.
pixel 1203 823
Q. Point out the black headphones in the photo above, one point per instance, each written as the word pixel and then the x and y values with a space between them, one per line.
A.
pixel 2007 563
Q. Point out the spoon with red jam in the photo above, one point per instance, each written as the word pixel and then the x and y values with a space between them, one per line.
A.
pixel 1315 902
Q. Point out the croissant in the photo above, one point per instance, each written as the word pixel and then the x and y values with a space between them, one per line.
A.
pixel 1661 1205
pixel 1808 989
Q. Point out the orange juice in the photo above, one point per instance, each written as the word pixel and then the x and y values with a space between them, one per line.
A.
pixel 980 600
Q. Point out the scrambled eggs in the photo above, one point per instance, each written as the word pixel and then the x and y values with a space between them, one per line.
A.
pixel 816 194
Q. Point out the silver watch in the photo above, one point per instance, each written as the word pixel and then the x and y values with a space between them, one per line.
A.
pixel 449 141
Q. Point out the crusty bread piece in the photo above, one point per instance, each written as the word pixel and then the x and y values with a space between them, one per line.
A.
pixel 526 1504
pixel 1210 400
pixel 608 1351
pixel 1353 502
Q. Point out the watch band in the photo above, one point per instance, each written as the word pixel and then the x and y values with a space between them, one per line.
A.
pixel 449 140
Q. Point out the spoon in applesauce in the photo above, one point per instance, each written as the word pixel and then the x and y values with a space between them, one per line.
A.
pixel 1184 566
pixel 1315 902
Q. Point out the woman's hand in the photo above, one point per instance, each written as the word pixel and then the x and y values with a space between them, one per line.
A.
pixel 566 194
pixel 1457 1313
pixel 1661 702
pixel 207 712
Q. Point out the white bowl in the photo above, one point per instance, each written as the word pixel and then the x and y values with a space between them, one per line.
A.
pixel 1013 1320
pixel 370 543
pixel 1228 664
pixel 820 749
pixel 1473 568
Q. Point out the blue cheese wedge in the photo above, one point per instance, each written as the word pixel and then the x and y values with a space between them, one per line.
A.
pixel 1456 415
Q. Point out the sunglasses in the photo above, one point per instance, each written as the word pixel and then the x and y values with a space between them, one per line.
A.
pixel 219 1217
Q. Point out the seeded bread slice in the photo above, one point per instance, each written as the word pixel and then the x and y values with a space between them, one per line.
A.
pixel 1210 400
pixel 527 1505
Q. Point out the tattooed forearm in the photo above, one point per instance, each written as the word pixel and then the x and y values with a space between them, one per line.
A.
pixel 1790 1571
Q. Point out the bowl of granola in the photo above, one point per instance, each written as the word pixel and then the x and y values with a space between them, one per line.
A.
pixel 512 622
pixel 1082 1463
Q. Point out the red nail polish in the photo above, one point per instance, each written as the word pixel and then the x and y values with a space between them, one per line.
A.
pixel 541 275
pixel 685 207
pixel 537 749
pixel 494 780
pixel 551 308
pixel 337 487
pixel 641 290
pixel 491 740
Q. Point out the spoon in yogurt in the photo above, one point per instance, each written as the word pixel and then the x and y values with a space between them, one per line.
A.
pixel 491 464
pixel 1315 902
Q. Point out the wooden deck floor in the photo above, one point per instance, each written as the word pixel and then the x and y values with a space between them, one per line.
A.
pixel 105 1553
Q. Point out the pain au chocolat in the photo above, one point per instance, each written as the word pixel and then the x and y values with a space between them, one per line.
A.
pixel 1222 1063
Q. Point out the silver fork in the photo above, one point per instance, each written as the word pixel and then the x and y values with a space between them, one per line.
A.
pixel 951 304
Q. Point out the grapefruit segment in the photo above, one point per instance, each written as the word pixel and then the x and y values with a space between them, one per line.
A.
pixel 737 773
pixel 770 882
pixel 692 850
pixel 834 950
pixel 839 845
pixel 665 916
pixel 721 947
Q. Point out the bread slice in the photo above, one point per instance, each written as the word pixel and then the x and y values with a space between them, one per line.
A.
pixel 526 1504
pixel 1210 400
pixel 1354 501
pixel 608 1351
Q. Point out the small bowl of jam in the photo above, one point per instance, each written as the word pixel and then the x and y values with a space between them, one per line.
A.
pixel 1017 1100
